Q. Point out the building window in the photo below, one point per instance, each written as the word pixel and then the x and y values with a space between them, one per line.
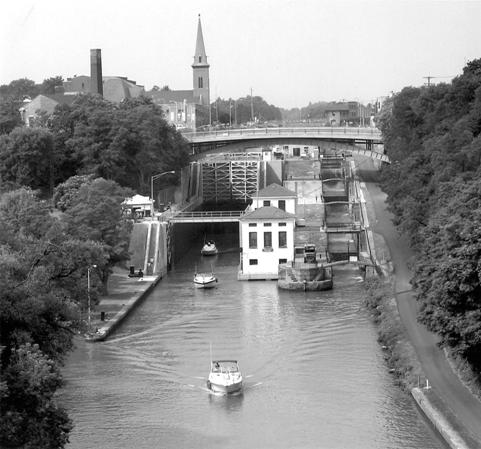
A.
pixel 267 225
pixel 282 261
pixel 282 205
pixel 200 58
pixel 252 240
pixel 201 82
pixel 266 203
pixel 267 240
pixel 252 261
pixel 282 239
pixel 252 225
pixel 282 225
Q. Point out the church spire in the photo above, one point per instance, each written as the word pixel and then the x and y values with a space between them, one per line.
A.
pixel 200 58
pixel 200 69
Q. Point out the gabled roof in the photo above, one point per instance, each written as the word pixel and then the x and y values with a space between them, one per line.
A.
pixel 137 200
pixel 267 213
pixel 62 98
pixel 275 191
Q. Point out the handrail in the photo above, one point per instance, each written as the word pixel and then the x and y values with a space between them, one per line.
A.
pixel 309 131
pixel 209 214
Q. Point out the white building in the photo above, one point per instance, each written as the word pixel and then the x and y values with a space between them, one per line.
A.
pixel 266 239
pixel 276 196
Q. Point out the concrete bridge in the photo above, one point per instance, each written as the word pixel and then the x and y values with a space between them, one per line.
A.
pixel 206 216
pixel 357 140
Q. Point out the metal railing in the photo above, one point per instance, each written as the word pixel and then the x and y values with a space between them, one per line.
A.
pixel 365 133
pixel 209 214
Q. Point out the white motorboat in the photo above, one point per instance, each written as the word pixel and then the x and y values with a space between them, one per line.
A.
pixel 205 280
pixel 209 249
pixel 224 377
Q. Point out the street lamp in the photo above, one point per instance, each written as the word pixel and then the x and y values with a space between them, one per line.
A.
pixel 89 319
pixel 152 178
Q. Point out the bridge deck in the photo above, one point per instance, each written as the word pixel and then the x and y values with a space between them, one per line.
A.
pixel 362 134
pixel 207 216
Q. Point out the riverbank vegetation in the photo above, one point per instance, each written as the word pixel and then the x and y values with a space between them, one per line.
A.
pixel 63 182
pixel 432 136
pixel 399 353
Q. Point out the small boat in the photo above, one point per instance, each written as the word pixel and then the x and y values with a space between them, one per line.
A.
pixel 224 377
pixel 205 280
pixel 209 249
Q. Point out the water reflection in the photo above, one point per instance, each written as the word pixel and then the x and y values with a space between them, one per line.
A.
pixel 314 373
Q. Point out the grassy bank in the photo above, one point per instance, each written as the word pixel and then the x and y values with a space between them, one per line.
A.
pixel 400 355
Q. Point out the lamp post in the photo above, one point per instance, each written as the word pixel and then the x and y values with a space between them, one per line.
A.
pixel 89 319
pixel 152 178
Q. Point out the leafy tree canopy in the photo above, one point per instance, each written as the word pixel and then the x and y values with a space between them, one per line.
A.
pixel 433 137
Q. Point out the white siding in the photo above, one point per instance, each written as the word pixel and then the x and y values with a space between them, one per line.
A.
pixel 267 261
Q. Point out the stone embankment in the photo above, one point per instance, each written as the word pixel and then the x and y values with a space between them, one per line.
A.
pixel 125 293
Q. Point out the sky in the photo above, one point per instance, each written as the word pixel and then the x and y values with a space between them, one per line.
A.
pixel 290 52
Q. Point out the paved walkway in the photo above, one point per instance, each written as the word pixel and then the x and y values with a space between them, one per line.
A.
pixel 124 294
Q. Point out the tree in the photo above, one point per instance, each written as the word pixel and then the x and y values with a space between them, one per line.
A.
pixel 94 213
pixel 126 143
pixel 29 415
pixel 48 86
pixel 432 135
pixel 9 115
pixel 28 158
pixel 42 291
pixel 18 90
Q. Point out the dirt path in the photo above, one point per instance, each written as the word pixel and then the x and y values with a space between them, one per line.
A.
pixel 464 405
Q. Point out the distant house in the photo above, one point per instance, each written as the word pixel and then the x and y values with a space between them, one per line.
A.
pixel 178 105
pixel 43 104
pixel 267 241
pixel 137 206
pixel 277 196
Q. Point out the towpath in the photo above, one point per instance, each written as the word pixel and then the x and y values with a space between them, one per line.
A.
pixel 447 385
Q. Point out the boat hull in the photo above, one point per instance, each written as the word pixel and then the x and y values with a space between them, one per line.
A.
pixel 209 249
pixel 204 284
pixel 201 281
pixel 209 252
pixel 224 389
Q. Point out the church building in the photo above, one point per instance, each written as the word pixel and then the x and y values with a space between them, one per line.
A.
pixel 188 108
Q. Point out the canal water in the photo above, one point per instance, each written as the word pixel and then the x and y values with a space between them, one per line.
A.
pixel 314 373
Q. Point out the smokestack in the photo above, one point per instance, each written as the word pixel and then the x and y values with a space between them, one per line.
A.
pixel 96 86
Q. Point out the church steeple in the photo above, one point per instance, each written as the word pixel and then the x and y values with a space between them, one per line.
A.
pixel 200 58
pixel 201 70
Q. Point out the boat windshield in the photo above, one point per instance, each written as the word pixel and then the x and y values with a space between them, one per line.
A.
pixel 225 366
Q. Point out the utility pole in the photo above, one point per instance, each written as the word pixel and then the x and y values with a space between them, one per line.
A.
pixel 429 78
pixel 252 108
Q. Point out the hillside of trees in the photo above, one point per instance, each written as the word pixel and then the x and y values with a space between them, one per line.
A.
pixel 432 136
pixel 62 184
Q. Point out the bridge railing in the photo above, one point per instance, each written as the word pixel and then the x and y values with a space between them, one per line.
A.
pixel 209 214
pixel 309 131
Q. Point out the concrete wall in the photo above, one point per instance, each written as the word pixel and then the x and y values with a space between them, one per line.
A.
pixel 274 172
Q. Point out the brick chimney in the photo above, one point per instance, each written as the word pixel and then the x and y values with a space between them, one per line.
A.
pixel 96 85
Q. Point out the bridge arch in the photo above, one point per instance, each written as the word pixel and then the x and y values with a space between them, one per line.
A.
pixel 364 141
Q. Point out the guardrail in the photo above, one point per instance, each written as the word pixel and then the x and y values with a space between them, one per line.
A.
pixel 209 214
pixel 365 133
